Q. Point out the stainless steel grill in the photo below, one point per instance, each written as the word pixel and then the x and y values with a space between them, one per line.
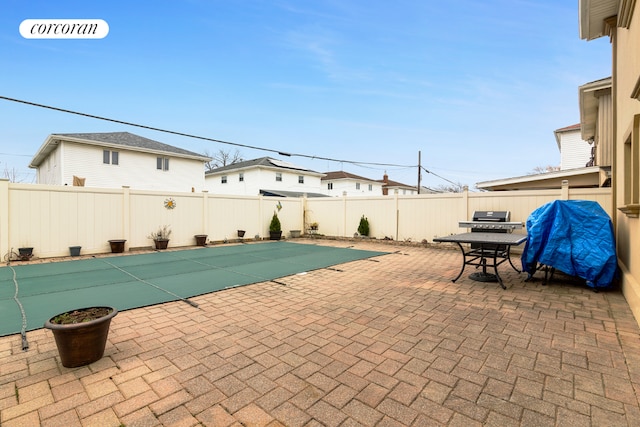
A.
pixel 491 222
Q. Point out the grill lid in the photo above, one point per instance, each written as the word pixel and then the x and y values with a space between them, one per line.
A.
pixel 493 216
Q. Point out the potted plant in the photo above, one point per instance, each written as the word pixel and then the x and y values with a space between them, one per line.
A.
pixel 161 237
pixel 241 233
pixel 201 239
pixel 275 228
pixel 117 246
pixel 363 227
pixel 313 226
pixel 25 254
pixel 81 335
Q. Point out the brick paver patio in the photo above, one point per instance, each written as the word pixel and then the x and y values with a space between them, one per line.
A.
pixel 383 342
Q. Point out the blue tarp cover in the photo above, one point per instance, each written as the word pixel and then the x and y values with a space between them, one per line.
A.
pixel 575 237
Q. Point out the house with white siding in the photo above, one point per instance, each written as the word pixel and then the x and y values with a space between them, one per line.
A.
pixel 574 151
pixel 339 183
pixel 117 159
pixel 266 176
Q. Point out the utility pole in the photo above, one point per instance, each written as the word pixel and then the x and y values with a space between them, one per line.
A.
pixel 419 169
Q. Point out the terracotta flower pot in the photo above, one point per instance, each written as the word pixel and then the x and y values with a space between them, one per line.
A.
pixel 81 343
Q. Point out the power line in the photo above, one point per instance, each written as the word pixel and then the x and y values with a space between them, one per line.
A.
pixel 441 177
pixel 204 138
pixel 280 152
pixel 17 155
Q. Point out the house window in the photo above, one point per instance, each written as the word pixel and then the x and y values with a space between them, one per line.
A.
pixel 357 185
pixel 241 177
pixel 300 179
pixel 631 153
pixel 162 163
pixel 223 179
pixel 370 187
pixel 109 157
pixel 329 185
pixel 278 176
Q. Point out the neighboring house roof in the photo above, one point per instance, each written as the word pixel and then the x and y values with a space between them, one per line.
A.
pixel 280 193
pixel 580 177
pixel 262 162
pixel 386 182
pixel 395 184
pixel 338 175
pixel 113 140
pixel 592 13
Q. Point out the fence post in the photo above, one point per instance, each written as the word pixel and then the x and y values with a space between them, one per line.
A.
pixel 205 211
pixel 564 192
pixel 344 214
pixel 395 196
pixel 126 214
pixel 4 218
pixel 465 202
pixel 261 215
pixel 304 213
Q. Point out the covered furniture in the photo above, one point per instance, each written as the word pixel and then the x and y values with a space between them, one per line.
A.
pixel 575 237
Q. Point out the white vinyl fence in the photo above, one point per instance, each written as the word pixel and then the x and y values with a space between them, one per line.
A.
pixel 52 218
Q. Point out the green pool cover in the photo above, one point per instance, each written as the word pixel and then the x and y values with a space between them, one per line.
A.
pixel 44 290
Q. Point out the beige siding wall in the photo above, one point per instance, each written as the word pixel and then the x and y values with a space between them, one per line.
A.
pixel 52 218
pixel 604 131
pixel 626 74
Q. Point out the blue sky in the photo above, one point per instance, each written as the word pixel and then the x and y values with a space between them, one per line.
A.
pixel 478 86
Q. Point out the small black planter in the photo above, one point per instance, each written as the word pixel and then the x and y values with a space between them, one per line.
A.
pixel 117 246
pixel 25 254
pixel 240 233
pixel 74 250
pixel 201 239
pixel 161 243
pixel 275 235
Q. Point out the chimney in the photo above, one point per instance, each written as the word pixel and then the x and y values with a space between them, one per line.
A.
pixel 385 184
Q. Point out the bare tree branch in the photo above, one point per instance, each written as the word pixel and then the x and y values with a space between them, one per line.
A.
pixel 544 169
pixel 222 158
